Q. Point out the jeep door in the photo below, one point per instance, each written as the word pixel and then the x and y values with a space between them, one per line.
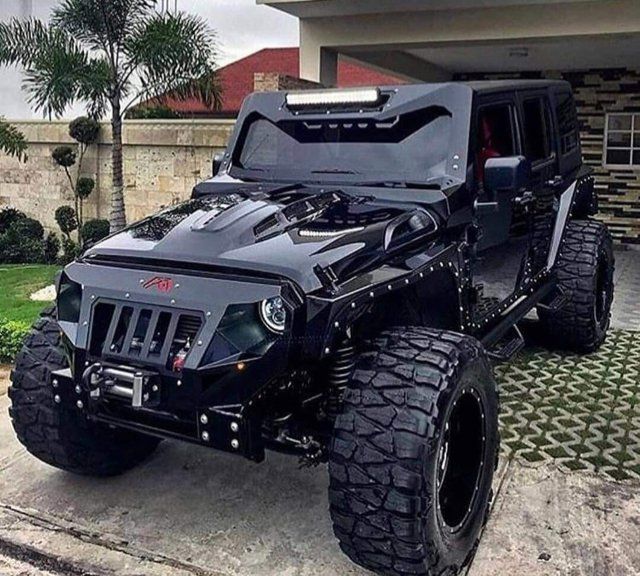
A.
pixel 540 148
pixel 503 229
pixel 514 236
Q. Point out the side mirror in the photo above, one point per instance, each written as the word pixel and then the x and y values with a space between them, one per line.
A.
pixel 510 174
pixel 217 163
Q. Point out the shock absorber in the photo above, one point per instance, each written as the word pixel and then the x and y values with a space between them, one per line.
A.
pixel 340 370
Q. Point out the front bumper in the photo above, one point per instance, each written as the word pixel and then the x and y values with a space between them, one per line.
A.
pixel 125 376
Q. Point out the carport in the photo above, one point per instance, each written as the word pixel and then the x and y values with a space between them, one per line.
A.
pixel 594 44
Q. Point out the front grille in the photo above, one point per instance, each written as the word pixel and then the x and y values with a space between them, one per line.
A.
pixel 142 334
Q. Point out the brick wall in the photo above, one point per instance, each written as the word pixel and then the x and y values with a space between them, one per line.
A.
pixel 598 92
pixel 163 160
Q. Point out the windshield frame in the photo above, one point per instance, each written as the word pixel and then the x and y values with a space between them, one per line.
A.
pixel 455 98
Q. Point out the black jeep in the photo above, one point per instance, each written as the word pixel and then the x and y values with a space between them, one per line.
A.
pixel 336 291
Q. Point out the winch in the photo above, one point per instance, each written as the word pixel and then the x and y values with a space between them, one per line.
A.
pixel 140 387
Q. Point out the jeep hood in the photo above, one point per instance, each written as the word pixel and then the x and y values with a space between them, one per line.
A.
pixel 294 233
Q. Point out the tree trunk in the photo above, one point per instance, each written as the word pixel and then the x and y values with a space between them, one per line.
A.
pixel 117 216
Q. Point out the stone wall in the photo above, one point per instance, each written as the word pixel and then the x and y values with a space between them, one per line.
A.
pixel 272 81
pixel 597 93
pixel 163 160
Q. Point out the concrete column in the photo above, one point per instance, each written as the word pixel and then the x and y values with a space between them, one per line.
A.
pixel 317 63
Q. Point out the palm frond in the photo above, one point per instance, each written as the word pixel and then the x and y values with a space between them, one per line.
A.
pixel 22 42
pixel 101 25
pixel 12 141
pixel 175 54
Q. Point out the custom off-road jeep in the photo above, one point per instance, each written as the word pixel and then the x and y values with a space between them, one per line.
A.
pixel 336 291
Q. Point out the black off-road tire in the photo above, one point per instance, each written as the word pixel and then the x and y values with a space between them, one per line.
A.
pixel 421 402
pixel 585 269
pixel 57 434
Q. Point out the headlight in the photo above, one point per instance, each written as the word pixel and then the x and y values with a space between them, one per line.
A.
pixel 274 314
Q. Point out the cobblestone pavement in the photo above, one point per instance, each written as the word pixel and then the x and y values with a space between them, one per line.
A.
pixel 582 411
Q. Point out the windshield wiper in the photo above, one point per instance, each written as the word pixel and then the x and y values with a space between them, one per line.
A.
pixel 334 171
pixel 396 184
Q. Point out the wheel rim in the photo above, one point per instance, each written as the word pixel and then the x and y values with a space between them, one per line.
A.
pixel 603 289
pixel 461 460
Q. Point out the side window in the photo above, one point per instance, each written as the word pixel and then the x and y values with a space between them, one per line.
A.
pixel 537 129
pixel 496 135
pixel 568 127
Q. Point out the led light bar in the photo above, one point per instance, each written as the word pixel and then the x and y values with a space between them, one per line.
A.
pixel 321 98
pixel 306 233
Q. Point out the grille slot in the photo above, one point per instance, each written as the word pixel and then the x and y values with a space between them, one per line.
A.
pixel 187 329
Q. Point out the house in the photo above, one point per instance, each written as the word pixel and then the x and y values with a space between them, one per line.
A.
pixel 594 44
pixel 273 69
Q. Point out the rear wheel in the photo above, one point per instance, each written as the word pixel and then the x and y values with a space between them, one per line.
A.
pixel 413 453
pixel 56 434
pixel 585 273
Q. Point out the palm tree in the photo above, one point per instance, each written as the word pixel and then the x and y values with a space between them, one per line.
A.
pixel 12 141
pixel 111 55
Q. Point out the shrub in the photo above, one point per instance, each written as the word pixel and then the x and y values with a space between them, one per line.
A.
pixel 22 243
pixel 12 333
pixel 8 215
pixel 28 228
pixel 152 113
pixel 94 230
pixel 51 248
pixel 84 130
pixel 64 156
pixel 70 251
pixel 84 187
pixel 66 219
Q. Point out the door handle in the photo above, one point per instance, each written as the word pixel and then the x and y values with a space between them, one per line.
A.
pixel 483 208
pixel 555 181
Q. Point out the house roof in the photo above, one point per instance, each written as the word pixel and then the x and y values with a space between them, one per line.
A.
pixel 237 79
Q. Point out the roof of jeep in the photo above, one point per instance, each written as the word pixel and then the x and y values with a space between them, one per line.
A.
pixel 488 86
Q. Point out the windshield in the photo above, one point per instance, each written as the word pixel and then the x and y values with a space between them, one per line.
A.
pixel 410 148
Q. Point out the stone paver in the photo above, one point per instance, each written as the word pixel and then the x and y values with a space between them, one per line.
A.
pixel 547 522
pixel 582 411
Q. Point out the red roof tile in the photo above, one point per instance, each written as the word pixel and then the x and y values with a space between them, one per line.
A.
pixel 236 79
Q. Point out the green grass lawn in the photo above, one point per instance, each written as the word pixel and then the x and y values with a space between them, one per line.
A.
pixel 17 283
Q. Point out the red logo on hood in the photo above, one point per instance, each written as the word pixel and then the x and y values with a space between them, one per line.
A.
pixel 160 283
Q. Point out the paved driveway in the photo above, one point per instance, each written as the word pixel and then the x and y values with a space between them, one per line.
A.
pixel 191 511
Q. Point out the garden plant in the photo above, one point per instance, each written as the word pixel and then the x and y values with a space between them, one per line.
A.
pixel 112 55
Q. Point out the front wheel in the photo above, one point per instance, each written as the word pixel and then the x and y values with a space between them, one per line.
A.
pixel 414 452
pixel 56 434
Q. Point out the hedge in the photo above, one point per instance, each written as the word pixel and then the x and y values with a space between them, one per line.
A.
pixel 12 333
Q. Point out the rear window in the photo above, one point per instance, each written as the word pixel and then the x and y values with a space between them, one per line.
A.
pixel 568 128
pixel 537 129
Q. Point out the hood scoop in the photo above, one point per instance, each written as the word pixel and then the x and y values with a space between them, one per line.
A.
pixel 297 211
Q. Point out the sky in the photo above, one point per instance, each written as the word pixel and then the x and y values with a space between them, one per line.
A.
pixel 242 28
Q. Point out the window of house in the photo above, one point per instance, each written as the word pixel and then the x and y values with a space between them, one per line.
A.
pixel 537 129
pixel 568 127
pixel 622 143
